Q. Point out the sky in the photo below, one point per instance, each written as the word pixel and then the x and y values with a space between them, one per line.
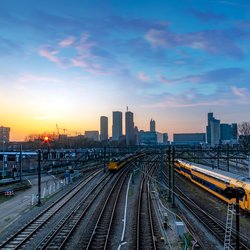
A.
pixel 67 63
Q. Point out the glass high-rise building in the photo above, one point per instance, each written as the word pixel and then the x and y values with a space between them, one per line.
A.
pixel 228 132
pixel 103 128
pixel 213 130
pixel 130 132
pixel 152 125
pixel 220 133
pixel 117 125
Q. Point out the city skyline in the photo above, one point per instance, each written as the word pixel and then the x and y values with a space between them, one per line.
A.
pixel 69 64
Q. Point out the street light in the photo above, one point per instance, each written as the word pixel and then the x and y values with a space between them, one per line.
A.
pixel 3 141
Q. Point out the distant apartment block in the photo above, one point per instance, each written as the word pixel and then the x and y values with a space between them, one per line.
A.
pixel 103 128
pixel 92 135
pixel 189 138
pixel 117 126
pixel 4 134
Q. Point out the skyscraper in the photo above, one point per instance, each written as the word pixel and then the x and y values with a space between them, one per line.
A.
pixel 228 132
pixel 152 125
pixel 117 125
pixel 104 128
pixel 130 132
pixel 213 130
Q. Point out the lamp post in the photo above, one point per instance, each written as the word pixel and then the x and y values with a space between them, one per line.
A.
pixel 39 178
pixel 4 162
pixel 3 157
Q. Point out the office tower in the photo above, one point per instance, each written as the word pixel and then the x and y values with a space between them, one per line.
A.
pixel 234 131
pixel 130 132
pixel 147 138
pixel 152 125
pixel 103 128
pixel 117 125
pixel 165 138
pixel 213 130
pixel 136 131
pixel 229 132
pixel 226 132
pixel 208 128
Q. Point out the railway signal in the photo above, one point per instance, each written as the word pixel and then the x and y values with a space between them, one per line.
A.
pixel 237 193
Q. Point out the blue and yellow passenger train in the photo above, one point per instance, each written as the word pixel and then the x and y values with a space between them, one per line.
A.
pixel 213 182
pixel 116 163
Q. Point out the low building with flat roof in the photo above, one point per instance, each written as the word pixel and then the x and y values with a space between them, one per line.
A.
pixel 189 138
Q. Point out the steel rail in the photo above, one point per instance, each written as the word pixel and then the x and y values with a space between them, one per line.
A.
pixel 26 232
pixel 67 225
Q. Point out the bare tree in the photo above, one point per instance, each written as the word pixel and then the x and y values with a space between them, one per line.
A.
pixel 244 128
pixel 244 133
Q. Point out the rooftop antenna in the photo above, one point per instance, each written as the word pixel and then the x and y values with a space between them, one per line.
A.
pixel 127 108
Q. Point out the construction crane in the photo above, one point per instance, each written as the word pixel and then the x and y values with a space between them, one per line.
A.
pixel 75 132
pixel 58 130
pixel 66 131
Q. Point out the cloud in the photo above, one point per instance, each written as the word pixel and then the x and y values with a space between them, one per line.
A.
pixel 82 53
pixel 207 16
pixel 217 76
pixel 67 42
pixel 216 42
pixel 240 92
pixel 143 77
pixel 8 47
pixel 49 53
pixel 134 24
pixel 35 78
pixel 165 80
pixel 194 97
pixel 186 100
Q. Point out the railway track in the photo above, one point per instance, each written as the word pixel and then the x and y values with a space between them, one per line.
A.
pixel 59 236
pixel 23 235
pixel 211 223
pixel 145 229
pixel 99 232
pixel 216 227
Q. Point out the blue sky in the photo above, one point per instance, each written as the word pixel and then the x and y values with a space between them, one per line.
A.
pixel 69 62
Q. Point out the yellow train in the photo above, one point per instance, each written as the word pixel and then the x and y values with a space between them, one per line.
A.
pixel 117 163
pixel 213 182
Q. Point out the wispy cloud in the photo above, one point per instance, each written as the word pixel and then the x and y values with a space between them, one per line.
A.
pixel 85 54
pixel 50 53
pixel 217 42
pixel 242 93
pixel 36 78
pixel 207 15
pixel 143 77
pixel 67 42
pixel 8 47
pixel 217 76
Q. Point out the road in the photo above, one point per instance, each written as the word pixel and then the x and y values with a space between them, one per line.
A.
pixel 20 203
